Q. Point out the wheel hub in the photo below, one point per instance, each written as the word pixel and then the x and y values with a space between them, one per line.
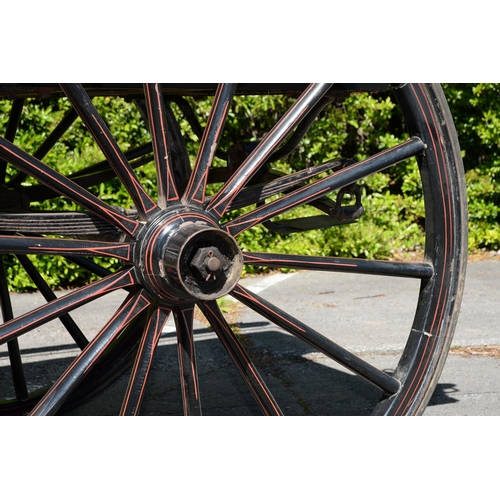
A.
pixel 185 256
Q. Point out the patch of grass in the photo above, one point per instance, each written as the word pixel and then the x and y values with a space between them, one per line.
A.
pixel 230 309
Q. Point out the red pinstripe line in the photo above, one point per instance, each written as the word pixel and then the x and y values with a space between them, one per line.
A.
pixel 140 192
pixel 248 259
pixel 242 352
pixel 240 291
pixel 153 134
pixel 154 341
pixel 148 262
pixel 244 178
pixel 192 191
pixel 431 341
pixel 184 317
pixel 244 219
pixel 88 197
pixel 170 180
pixel 96 250
pixel 247 222
pixel 188 321
pixel 120 277
pixel 149 249
pixel 132 305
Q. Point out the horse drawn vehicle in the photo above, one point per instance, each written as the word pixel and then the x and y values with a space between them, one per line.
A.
pixel 175 243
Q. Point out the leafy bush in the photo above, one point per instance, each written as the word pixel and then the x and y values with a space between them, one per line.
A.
pixel 357 127
pixel 75 151
pixel 476 112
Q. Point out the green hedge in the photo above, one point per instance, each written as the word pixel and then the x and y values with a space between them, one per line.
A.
pixel 357 127
pixel 476 112
pixel 73 152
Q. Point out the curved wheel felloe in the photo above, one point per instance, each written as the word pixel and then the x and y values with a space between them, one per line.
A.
pixel 175 248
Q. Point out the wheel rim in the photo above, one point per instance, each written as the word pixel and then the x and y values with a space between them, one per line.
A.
pixel 179 250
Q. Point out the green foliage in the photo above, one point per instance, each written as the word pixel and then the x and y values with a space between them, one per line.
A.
pixel 75 151
pixel 476 112
pixel 356 127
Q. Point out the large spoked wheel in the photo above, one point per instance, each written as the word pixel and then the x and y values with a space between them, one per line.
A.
pixel 178 246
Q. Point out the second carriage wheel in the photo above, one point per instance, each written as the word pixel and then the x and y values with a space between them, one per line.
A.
pixel 177 247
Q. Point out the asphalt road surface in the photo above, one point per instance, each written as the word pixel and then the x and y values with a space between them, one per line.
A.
pixel 370 315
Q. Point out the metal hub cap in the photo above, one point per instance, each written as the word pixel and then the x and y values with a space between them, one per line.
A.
pixel 186 257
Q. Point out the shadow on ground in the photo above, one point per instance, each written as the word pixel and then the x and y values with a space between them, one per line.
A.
pixel 301 383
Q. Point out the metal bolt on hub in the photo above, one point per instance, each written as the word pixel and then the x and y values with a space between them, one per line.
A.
pixel 208 261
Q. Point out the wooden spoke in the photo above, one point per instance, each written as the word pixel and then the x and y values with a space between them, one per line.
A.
pixel 64 304
pixel 220 203
pixel 419 270
pixel 65 186
pixel 144 359
pixel 99 130
pixel 187 360
pixel 380 379
pixel 167 190
pixel 337 180
pixel 17 370
pixel 69 380
pixel 195 191
pixel 248 371
pixel 23 245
